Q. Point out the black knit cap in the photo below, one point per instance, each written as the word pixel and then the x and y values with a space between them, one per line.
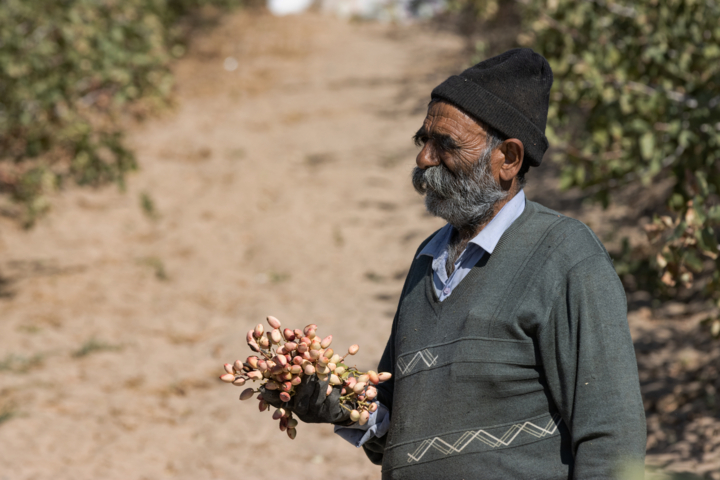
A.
pixel 510 93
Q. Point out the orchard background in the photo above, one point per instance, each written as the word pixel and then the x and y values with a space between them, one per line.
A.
pixel 232 164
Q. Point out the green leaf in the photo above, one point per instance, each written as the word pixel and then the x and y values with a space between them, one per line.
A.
pixel 707 243
pixel 693 262
pixel 701 178
pixel 647 145
pixel 714 214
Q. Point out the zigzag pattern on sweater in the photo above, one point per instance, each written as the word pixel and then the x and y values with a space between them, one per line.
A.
pixel 485 437
pixel 423 355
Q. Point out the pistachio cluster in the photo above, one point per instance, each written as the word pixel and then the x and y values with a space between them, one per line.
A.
pixel 286 356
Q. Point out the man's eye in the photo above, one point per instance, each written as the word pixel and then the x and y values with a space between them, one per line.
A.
pixel 447 144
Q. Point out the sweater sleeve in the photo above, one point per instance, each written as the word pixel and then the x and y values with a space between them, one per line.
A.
pixel 375 447
pixel 591 371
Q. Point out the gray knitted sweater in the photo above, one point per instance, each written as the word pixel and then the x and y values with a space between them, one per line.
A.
pixel 527 371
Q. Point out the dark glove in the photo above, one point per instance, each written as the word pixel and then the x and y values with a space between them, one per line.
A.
pixel 311 404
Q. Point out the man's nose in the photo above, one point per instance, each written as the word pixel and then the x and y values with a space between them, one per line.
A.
pixel 427 157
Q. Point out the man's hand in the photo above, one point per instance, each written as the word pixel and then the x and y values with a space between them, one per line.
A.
pixel 311 404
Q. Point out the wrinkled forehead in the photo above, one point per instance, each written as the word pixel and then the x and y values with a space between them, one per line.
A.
pixel 446 119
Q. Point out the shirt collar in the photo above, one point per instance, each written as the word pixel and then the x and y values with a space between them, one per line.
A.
pixel 489 237
pixel 438 243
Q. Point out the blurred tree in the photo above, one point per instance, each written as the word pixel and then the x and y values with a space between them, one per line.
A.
pixel 488 27
pixel 636 100
pixel 68 70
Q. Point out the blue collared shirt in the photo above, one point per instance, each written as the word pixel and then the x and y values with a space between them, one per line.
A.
pixel 485 241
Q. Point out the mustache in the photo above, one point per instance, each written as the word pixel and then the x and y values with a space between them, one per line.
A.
pixel 438 179
pixel 464 199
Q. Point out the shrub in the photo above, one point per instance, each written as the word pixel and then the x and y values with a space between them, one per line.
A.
pixel 636 100
pixel 69 69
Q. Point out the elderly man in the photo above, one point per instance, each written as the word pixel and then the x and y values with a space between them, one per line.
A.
pixel 510 349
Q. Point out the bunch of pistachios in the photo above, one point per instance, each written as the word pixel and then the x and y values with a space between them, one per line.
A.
pixel 286 356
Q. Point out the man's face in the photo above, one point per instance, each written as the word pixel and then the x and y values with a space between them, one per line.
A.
pixel 455 168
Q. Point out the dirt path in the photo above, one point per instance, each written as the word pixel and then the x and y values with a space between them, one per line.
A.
pixel 281 187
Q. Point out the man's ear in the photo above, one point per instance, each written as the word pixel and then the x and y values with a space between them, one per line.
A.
pixel 514 152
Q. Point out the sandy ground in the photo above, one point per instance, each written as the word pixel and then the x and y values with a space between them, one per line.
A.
pixel 280 188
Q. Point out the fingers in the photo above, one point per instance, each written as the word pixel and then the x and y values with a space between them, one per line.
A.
pixel 320 395
pixel 336 412
pixel 304 395
pixel 271 397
